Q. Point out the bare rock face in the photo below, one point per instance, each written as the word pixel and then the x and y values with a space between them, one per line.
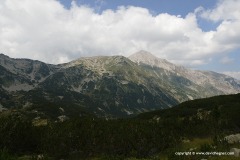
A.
pixel 236 152
pixel 234 138
pixel 205 79
pixel 109 86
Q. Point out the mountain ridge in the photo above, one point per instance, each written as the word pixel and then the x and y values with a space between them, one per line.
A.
pixel 108 86
pixel 200 77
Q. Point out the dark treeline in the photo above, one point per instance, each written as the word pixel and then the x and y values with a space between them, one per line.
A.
pixel 93 137
pixel 148 135
pixel 86 137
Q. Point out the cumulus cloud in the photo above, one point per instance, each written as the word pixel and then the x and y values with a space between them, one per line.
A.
pixel 45 30
pixel 228 14
pixel 225 10
pixel 233 74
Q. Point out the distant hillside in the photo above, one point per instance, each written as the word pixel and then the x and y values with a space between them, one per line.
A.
pixel 225 107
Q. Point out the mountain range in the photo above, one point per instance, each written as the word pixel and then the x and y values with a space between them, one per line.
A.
pixel 106 86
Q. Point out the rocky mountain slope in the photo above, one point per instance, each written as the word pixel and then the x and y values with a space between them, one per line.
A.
pixel 204 79
pixel 105 86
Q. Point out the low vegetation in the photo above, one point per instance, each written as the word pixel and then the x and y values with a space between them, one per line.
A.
pixel 198 125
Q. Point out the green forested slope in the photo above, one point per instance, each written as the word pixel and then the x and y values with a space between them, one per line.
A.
pixel 200 125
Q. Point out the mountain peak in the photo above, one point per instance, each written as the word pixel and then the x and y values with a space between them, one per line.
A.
pixel 142 54
pixel 144 57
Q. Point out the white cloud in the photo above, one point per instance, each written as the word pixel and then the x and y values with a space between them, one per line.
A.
pixel 228 14
pixel 226 60
pixel 228 34
pixel 45 30
pixel 225 10
pixel 233 74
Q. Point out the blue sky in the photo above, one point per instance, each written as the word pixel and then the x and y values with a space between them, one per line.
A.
pixel 200 34
pixel 176 7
